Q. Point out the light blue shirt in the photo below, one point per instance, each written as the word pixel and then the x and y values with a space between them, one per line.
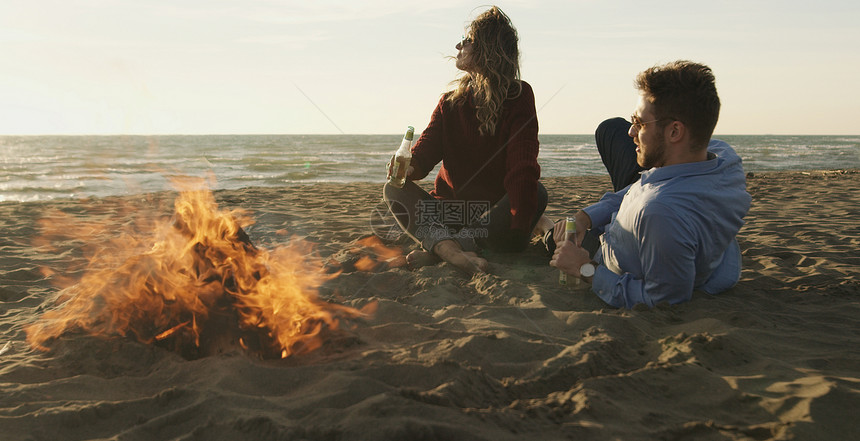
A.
pixel 672 231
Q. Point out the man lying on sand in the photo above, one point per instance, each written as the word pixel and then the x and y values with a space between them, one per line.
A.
pixel 673 229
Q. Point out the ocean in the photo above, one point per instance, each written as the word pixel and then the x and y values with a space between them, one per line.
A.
pixel 38 168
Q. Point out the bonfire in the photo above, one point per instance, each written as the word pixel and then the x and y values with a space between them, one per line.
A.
pixel 195 283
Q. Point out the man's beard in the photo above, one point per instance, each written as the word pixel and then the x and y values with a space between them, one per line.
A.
pixel 654 155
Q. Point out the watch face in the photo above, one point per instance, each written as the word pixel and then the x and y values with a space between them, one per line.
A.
pixel 586 270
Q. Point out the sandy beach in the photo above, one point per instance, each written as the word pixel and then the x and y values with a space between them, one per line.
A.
pixel 509 355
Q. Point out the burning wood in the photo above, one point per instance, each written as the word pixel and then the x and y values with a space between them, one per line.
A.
pixel 190 283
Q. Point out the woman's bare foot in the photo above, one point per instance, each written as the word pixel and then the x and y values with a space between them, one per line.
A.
pixel 419 258
pixel 451 252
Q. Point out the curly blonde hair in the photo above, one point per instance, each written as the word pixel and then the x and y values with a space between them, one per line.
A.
pixel 496 76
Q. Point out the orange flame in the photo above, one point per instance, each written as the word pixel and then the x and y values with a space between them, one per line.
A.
pixel 183 280
pixel 375 255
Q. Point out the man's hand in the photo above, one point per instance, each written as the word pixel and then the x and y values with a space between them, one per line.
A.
pixel 583 223
pixel 569 257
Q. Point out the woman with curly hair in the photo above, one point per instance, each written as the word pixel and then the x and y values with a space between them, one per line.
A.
pixel 485 133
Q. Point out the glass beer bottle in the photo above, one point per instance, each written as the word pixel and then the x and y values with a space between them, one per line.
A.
pixel 569 232
pixel 401 160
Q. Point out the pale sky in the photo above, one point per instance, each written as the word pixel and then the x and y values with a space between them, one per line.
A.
pixel 374 67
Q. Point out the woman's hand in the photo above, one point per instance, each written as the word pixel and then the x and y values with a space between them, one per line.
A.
pixel 409 169
pixel 390 167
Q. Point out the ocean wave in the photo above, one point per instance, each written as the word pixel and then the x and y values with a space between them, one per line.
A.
pixel 50 167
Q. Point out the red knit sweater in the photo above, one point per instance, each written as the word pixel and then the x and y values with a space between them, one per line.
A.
pixel 484 168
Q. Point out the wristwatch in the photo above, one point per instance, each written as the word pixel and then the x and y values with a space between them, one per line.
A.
pixel 586 270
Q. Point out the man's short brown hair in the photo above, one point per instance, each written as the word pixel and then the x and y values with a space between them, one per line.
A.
pixel 683 91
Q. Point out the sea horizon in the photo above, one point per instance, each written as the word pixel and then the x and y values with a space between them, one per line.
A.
pixel 45 167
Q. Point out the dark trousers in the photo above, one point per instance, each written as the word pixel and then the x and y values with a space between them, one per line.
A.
pixel 618 152
pixel 473 224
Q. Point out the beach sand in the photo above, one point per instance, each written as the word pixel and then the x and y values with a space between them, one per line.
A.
pixel 509 355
